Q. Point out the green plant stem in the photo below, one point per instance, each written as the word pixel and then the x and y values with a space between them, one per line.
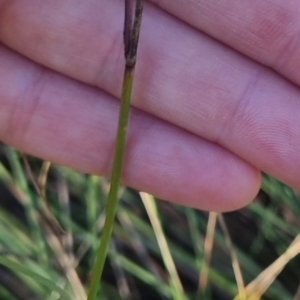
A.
pixel 132 27
pixel 113 192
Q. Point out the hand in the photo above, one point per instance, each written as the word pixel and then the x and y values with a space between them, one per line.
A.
pixel 207 118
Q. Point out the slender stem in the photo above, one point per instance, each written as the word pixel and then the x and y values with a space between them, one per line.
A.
pixel 113 192
pixel 131 36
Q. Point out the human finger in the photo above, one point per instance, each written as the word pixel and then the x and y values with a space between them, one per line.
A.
pixel 56 118
pixel 267 31
pixel 183 76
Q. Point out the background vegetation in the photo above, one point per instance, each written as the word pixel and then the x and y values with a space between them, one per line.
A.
pixel 51 219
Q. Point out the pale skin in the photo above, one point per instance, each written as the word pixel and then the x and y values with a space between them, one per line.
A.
pixel 216 95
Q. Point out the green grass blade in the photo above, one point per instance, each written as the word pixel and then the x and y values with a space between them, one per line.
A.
pixel 20 183
pixel 21 268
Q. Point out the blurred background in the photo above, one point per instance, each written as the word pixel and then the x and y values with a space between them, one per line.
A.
pixel 50 226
